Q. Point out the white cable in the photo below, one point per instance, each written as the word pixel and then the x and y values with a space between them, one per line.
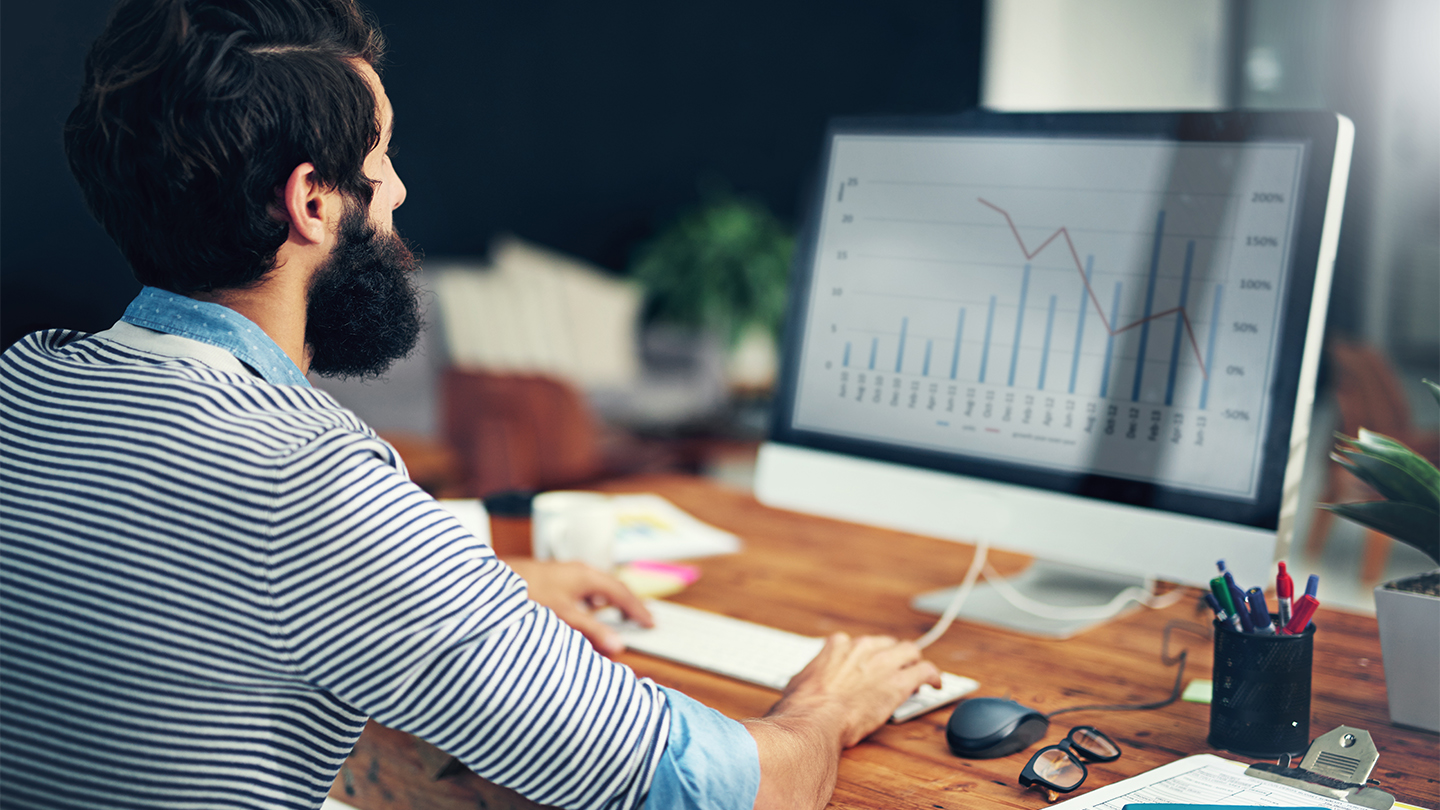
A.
pixel 1112 608
pixel 977 564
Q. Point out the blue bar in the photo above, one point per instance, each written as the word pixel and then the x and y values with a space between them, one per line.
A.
pixel 1179 323
pixel 1019 322
pixel 1149 301
pixel 1210 347
pixel 1045 354
pixel 900 353
pixel 1080 326
pixel 955 358
pixel 1110 343
pixel 874 344
pixel 985 350
pixel 928 345
pixel 847 354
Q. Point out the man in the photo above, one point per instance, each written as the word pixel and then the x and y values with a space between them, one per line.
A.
pixel 213 573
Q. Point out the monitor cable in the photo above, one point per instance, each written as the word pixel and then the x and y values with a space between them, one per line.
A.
pixel 979 566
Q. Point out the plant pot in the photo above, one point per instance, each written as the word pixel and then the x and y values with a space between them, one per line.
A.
pixel 1410 642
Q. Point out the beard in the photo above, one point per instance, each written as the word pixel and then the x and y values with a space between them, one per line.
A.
pixel 362 312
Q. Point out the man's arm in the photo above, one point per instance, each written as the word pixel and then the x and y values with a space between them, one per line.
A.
pixel 847 692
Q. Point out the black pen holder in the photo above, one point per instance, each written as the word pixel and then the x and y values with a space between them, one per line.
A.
pixel 1260 702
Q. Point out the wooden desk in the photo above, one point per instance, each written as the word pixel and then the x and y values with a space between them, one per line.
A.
pixel 816 576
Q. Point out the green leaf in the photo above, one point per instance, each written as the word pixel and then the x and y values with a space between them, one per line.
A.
pixel 1434 390
pixel 1395 483
pixel 1406 522
pixel 1384 447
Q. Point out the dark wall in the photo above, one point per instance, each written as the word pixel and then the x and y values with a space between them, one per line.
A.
pixel 583 126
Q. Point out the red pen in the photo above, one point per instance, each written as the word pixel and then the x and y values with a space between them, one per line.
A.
pixel 1284 593
pixel 1304 608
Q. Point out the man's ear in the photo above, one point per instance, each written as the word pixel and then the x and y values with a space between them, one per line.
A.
pixel 307 205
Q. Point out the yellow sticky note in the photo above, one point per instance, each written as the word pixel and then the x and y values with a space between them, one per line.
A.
pixel 1197 691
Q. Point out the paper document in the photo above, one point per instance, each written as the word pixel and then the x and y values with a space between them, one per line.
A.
pixel 651 528
pixel 1201 779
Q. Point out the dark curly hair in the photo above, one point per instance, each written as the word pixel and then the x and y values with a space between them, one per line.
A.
pixel 193 113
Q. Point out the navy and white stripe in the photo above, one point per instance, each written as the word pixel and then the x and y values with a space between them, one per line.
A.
pixel 209 582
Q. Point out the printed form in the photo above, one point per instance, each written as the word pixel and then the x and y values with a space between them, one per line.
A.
pixel 1202 779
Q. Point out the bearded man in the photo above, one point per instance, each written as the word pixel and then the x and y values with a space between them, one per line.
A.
pixel 214 573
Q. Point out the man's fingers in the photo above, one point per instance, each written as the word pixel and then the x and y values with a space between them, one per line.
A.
pixel 614 592
pixel 898 654
pixel 923 672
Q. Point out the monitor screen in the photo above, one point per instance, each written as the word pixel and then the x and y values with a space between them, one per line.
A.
pixel 1112 307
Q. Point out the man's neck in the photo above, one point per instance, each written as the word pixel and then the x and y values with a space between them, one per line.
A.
pixel 277 305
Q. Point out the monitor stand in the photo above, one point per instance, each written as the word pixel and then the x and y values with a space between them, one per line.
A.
pixel 1052 584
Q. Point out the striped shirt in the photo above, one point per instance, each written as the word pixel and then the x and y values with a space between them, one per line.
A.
pixel 210 581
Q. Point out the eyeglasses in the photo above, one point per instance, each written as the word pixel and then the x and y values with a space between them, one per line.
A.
pixel 1057 768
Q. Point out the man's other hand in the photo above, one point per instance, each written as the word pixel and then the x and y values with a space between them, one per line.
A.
pixel 574 591
pixel 848 691
pixel 864 678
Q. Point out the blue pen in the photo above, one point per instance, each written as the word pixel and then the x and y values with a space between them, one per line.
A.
pixel 1259 612
pixel 1221 565
pixel 1242 608
pixel 1312 585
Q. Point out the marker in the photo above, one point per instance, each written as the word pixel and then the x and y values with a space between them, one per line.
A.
pixel 1304 608
pixel 1222 594
pixel 1284 593
pixel 1312 585
pixel 1259 612
pixel 1221 565
pixel 1242 608
pixel 1220 614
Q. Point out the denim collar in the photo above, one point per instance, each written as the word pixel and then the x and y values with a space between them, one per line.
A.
pixel 216 325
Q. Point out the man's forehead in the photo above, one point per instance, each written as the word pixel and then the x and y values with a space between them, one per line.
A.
pixel 382 101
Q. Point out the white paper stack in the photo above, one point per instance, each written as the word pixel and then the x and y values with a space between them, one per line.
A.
pixel 651 528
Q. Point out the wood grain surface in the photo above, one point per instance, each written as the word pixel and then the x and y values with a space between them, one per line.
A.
pixel 815 576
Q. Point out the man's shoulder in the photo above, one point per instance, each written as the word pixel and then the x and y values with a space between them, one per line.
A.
pixel 75 366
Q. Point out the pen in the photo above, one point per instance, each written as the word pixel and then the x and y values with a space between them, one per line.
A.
pixel 1237 598
pixel 1220 614
pixel 1221 565
pixel 1259 612
pixel 1284 593
pixel 1312 585
pixel 1222 594
pixel 1304 609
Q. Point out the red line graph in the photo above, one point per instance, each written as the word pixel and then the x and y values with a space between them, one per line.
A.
pixel 1062 231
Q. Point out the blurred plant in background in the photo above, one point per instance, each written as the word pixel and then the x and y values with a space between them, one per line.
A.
pixel 722 265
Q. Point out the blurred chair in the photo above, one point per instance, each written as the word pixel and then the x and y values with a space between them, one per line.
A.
pixel 530 432
pixel 1369 394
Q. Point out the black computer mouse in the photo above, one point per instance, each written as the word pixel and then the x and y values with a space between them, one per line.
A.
pixel 988 727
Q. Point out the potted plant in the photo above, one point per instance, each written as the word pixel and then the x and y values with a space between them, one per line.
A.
pixel 723 266
pixel 1407 609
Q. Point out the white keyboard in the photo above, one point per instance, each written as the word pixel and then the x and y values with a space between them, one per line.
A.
pixel 752 652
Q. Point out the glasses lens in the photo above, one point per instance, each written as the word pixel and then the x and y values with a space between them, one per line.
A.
pixel 1059 769
pixel 1094 743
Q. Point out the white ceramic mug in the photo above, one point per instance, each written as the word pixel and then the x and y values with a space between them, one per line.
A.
pixel 574 526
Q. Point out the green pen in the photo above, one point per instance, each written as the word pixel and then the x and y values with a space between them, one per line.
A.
pixel 1222 594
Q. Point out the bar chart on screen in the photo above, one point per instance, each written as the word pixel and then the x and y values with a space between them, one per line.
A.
pixel 1070 304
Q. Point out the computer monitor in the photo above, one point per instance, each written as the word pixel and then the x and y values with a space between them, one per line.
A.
pixel 1091 338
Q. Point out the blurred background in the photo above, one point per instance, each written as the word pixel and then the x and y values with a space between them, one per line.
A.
pixel 607 197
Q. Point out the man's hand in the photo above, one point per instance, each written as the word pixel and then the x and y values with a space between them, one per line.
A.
pixel 848 691
pixel 865 679
pixel 573 590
